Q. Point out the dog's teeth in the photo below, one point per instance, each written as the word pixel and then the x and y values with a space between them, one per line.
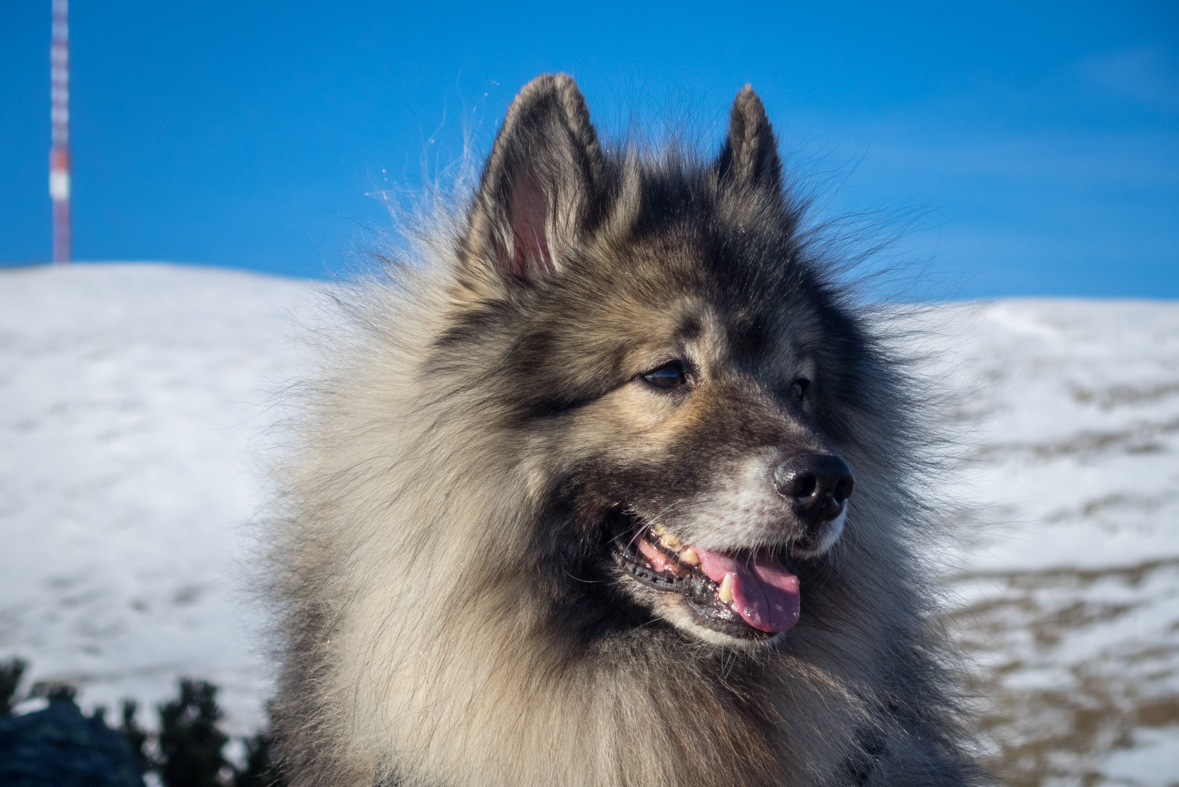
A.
pixel 671 542
pixel 659 531
pixel 689 557
pixel 726 589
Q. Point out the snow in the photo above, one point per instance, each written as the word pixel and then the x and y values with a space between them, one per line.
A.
pixel 1065 587
pixel 1078 431
pixel 136 404
pixel 132 400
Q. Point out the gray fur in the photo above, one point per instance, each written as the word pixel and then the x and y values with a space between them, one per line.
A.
pixel 447 614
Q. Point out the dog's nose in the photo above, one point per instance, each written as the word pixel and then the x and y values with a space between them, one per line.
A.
pixel 817 486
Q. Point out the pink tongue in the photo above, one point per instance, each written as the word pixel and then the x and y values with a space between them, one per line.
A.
pixel 765 594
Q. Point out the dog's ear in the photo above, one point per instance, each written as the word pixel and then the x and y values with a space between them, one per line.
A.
pixel 539 182
pixel 749 158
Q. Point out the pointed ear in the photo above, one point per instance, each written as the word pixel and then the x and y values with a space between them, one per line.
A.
pixel 539 183
pixel 750 156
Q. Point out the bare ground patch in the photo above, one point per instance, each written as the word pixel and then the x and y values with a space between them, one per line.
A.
pixel 1077 673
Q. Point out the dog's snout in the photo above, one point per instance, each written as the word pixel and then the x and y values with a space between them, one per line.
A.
pixel 817 486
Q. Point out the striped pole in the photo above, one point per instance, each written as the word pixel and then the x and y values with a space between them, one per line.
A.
pixel 59 121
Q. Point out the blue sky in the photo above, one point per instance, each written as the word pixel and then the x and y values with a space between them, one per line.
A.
pixel 1023 149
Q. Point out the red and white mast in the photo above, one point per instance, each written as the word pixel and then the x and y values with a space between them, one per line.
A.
pixel 59 119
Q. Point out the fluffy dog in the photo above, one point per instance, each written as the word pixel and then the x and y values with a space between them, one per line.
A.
pixel 613 485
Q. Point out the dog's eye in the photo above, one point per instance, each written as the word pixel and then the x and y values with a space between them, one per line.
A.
pixel 667 377
pixel 798 389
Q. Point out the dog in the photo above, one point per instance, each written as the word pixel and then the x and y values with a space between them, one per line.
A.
pixel 612 482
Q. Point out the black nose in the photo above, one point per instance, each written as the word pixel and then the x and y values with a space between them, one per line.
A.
pixel 817 485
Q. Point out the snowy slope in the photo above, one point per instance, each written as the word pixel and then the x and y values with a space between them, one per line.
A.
pixel 1075 430
pixel 132 399
pixel 1068 592
pixel 134 406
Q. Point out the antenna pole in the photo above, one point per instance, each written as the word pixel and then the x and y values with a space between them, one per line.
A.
pixel 59 121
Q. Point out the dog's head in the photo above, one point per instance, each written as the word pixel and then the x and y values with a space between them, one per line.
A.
pixel 667 358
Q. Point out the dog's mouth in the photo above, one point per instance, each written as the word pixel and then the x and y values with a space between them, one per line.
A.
pixel 748 595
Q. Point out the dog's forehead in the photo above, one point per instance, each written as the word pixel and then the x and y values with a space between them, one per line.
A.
pixel 687 284
pixel 713 331
pixel 751 335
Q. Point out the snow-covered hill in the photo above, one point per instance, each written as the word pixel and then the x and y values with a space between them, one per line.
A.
pixel 132 403
pixel 134 406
